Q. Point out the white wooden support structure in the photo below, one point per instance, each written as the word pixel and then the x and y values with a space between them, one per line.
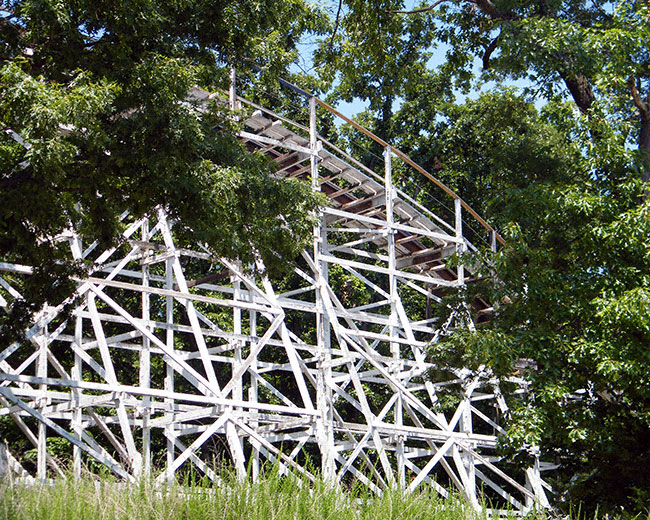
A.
pixel 178 359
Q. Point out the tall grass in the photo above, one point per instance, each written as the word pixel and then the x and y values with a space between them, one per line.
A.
pixel 272 497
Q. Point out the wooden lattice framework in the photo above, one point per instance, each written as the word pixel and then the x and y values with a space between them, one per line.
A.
pixel 221 362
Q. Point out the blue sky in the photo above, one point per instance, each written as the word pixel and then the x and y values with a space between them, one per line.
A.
pixel 356 106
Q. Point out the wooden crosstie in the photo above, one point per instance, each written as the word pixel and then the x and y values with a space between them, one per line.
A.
pixel 171 350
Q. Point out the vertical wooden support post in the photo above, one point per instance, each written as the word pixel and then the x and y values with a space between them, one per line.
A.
pixel 77 371
pixel 460 248
pixel 493 241
pixel 465 422
pixel 313 144
pixel 5 472
pixel 76 374
pixel 41 371
pixel 324 403
pixel 145 357
pixel 170 433
pixel 528 501
pixel 253 392
pixel 238 390
pixel 390 237
pixel 393 294
pixel 233 89
pixel 468 460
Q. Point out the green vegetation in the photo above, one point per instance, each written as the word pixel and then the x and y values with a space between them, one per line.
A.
pixel 99 92
pixel 270 498
pixel 566 185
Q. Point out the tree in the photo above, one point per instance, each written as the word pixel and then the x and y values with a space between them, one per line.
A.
pixel 96 121
pixel 372 56
pixel 568 189
pixel 570 295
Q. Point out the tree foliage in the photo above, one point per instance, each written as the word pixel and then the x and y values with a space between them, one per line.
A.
pixel 567 187
pixel 97 120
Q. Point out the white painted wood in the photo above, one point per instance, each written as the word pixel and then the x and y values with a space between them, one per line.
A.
pixel 235 369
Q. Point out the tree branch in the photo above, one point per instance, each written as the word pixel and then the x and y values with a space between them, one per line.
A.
pixel 484 5
pixel 489 8
pixel 488 52
pixel 640 104
pixel 336 25
pixel 578 85
pixel 422 9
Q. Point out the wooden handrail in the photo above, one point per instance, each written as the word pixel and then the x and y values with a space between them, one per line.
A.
pixel 413 164
pixel 399 154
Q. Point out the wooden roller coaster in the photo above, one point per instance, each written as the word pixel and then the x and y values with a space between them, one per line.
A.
pixel 155 359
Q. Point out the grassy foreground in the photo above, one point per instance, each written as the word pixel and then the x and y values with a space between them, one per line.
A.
pixel 270 498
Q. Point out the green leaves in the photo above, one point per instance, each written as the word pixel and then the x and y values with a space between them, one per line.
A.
pixel 375 54
pixel 565 187
pixel 631 310
pixel 257 214
pixel 99 91
pixel 571 296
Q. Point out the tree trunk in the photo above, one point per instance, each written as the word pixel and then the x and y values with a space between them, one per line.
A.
pixel 580 90
pixel 644 147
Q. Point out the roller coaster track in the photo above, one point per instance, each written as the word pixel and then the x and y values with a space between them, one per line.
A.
pixel 154 355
